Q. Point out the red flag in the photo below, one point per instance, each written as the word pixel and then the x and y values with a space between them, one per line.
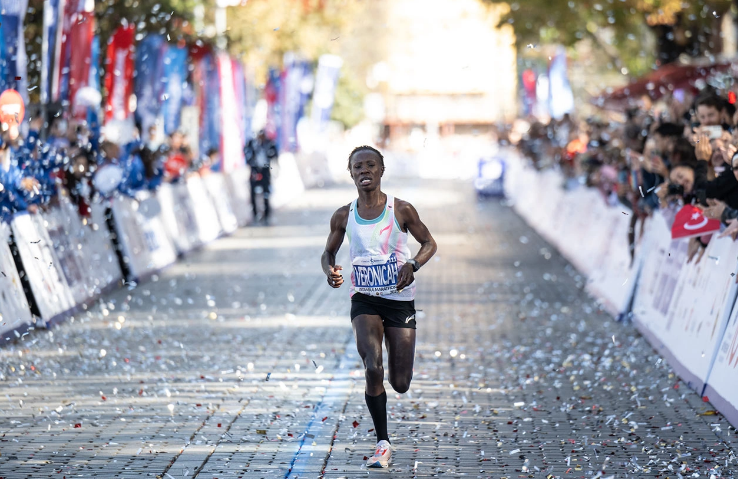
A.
pixel 119 74
pixel 690 222
pixel 82 33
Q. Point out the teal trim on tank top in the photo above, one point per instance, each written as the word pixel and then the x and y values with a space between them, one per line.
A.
pixel 362 221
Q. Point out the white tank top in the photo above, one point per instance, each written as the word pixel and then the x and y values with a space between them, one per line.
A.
pixel 378 250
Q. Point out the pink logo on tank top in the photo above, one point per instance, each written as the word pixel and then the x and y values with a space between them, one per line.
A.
pixel 385 229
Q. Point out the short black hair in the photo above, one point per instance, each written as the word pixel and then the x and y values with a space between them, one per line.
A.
pixel 711 100
pixel 670 129
pixel 729 108
pixel 365 148
pixel 683 152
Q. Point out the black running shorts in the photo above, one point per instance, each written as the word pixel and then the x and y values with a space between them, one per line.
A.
pixel 394 314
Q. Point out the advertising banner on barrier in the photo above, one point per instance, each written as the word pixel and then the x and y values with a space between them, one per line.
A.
pixel 699 311
pixel 14 310
pixel 722 383
pixel 237 184
pixel 206 217
pixel 178 215
pixel 68 248
pixel 663 260
pixel 614 277
pixel 48 284
pixel 216 187
pixel 100 251
pixel 680 307
pixel 142 238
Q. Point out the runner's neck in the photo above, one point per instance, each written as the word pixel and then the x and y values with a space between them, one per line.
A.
pixel 371 199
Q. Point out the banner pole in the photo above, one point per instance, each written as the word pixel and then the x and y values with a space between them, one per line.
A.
pixel 45 64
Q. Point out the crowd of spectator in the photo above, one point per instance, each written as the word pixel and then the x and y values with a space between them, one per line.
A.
pixel 680 150
pixel 76 162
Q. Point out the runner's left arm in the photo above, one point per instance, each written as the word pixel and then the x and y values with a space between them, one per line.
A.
pixel 335 239
pixel 411 221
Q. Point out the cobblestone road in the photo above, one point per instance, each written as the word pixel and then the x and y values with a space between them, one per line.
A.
pixel 240 362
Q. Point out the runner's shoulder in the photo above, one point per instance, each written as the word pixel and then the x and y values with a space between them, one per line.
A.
pixel 404 208
pixel 340 217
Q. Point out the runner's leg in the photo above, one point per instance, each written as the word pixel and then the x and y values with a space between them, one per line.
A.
pixel 400 343
pixel 252 183
pixel 368 330
pixel 267 192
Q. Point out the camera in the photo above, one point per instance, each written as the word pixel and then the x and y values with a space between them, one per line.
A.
pixel 673 190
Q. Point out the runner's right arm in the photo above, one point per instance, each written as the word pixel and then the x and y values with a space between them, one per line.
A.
pixel 335 239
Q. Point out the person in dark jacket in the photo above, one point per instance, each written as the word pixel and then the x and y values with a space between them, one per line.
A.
pixel 260 152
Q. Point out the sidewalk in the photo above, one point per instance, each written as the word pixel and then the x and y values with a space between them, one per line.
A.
pixel 240 362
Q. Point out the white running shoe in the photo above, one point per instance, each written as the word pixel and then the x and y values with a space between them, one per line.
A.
pixel 382 455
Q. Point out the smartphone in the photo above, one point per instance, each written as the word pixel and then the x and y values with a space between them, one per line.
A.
pixel 713 132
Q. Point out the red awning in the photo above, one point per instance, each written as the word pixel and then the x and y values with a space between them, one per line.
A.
pixel 670 77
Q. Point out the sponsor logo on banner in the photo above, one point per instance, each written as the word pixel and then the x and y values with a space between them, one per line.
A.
pixel 690 221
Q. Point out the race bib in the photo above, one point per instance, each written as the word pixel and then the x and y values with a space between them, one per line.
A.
pixel 375 275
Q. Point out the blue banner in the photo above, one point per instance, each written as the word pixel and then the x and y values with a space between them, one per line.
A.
pixel 210 121
pixel 175 76
pixel 326 79
pixel 296 88
pixel 10 28
pixel 51 20
pixel 147 80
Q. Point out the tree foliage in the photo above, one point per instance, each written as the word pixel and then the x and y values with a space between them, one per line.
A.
pixel 262 31
pixel 620 27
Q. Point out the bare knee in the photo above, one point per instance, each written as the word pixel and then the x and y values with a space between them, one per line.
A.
pixel 374 373
pixel 400 385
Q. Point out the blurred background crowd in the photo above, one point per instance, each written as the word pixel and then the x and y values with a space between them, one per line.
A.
pixel 75 162
pixel 681 149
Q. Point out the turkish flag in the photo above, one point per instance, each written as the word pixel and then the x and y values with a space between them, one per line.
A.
pixel 690 221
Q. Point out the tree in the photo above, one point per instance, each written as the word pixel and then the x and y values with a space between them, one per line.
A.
pixel 262 31
pixel 619 27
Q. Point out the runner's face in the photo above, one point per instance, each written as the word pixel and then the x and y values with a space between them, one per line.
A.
pixel 366 170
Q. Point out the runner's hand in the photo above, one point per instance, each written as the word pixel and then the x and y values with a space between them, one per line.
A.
pixel 335 279
pixel 405 276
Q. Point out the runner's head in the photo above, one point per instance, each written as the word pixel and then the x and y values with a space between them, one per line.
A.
pixel 366 167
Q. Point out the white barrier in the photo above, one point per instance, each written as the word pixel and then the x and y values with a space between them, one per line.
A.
pixel 722 382
pixel 687 311
pixel 142 238
pixel 178 215
pixel 291 180
pixel 68 260
pixel 100 252
pixel 237 183
pixel 63 228
pixel 216 187
pixel 584 229
pixel 683 308
pixel 48 284
pixel 206 217
pixel 15 313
